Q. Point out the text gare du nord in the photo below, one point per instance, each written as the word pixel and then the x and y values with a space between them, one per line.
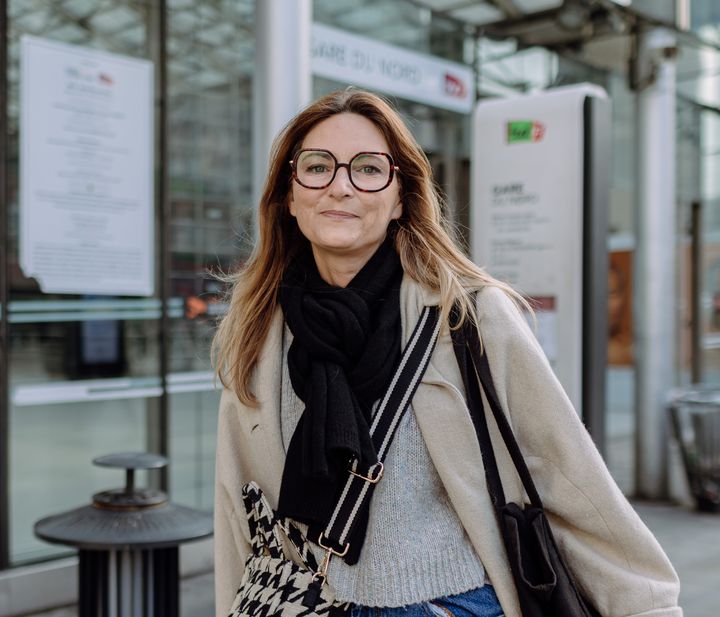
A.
pixel 358 60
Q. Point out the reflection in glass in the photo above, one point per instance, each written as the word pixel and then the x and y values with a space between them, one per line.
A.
pixel 210 69
pixel 51 449
pixel 83 370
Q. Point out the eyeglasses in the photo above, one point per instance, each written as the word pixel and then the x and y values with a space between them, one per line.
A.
pixel 368 171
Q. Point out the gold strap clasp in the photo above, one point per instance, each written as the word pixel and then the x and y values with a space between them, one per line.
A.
pixel 369 477
pixel 329 552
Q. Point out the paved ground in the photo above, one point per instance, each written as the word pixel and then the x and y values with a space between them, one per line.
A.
pixel 691 539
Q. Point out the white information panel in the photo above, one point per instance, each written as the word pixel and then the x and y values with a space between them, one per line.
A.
pixel 527 212
pixel 86 170
pixel 357 60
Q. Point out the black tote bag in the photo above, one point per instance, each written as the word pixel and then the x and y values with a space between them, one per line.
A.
pixel 544 583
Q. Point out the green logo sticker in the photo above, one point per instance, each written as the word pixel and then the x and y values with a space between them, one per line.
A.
pixel 524 131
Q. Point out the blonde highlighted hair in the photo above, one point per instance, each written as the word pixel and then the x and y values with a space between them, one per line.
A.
pixel 424 240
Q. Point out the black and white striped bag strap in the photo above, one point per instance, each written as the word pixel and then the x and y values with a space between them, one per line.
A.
pixel 360 484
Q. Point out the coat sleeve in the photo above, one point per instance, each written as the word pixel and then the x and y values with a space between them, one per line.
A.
pixel 231 544
pixel 616 560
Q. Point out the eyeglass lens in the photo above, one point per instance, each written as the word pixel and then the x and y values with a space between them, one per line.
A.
pixel 316 169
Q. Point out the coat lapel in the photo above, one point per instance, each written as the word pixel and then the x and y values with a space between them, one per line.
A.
pixel 449 435
pixel 265 434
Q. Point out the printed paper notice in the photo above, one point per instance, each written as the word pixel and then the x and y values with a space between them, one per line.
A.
pixel 86 170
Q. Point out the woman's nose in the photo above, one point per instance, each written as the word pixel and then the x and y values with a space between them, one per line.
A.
pixel 341 184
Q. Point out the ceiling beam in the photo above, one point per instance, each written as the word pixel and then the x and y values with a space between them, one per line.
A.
pixel 508 7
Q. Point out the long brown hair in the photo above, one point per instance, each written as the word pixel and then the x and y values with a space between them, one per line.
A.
pixel 425 242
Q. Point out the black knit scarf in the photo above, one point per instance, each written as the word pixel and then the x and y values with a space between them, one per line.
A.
pixel 345 348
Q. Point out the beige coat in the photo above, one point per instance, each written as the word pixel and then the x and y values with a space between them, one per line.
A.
pixel 615 558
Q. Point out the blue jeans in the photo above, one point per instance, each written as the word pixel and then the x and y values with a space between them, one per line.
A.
pixel 480 602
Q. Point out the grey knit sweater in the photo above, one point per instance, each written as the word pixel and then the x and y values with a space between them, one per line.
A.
pixel 416 548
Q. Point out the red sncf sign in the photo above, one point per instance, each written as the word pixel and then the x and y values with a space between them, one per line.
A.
pixel 454 86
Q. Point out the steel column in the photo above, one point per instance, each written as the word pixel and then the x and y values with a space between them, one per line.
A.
pixel 4 296
pixel 655 298
pixel 282 79
pixel 163 218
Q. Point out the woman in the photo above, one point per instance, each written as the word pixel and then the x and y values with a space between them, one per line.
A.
pixel 352 246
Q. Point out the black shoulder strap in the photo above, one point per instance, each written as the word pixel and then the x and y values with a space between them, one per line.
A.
pixel 359 487
pixel 473 363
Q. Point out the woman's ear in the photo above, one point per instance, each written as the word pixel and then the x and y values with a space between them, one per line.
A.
pixel 399 206
pixel 290 202
pixel 397 210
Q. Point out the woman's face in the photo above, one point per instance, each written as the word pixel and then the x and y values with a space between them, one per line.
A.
pixel 339 220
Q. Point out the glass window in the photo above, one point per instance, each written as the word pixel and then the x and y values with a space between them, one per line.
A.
pixel 84 370
pixel 397 23
pixel 704 15
pixel 698 189
pixel 210 70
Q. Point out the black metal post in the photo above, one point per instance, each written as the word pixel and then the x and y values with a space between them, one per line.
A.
pixel 93 583
pixel 163 205
pixel 4 294
pixel 596 113
pixel 105 589
pixel 696 367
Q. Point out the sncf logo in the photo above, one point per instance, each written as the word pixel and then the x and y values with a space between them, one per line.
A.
pixel 525 131
pixel 455 86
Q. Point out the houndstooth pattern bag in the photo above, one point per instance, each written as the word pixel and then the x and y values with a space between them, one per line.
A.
pixel 272 585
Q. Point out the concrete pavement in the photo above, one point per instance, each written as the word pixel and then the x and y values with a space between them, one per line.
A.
pixel 691 539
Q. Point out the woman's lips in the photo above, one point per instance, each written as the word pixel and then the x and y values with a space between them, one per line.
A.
pixel 338 214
